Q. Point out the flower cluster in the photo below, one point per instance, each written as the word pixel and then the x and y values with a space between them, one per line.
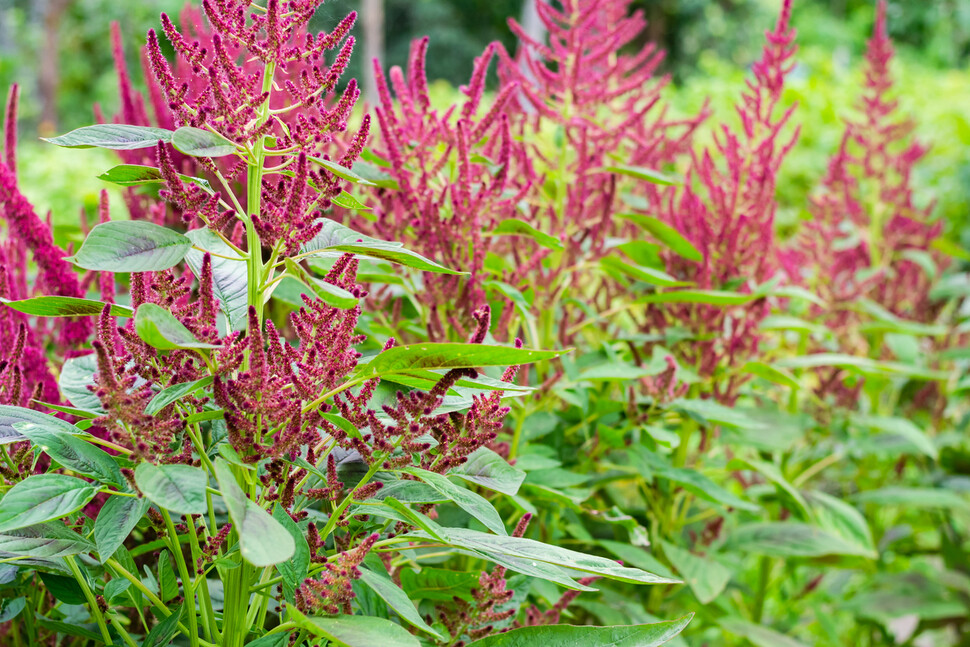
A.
pixel 726 208
pixel 332 590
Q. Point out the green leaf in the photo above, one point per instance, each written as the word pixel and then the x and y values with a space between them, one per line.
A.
pixel 73 453
pixel 691 480
pixel 840 518
pixel 486 468
pixel 516 227
pixel 409 492
pixel 168 586
pixel 54 306
pixel 705 577
pixel 12 609
pixel 131 246
pixel 863 365
pixel 666 235
pixel 534 553
pixel 77 375
pixel 162 633
pixel 902 428
pixel 64 588
pixel 710 412
pixel 45 541
pixel 263 541
pixel 170 394
pixel 119 137
pixel 340 171
pixel 397 600
pixel 334 237
pixel 355 631
pixel 272 640
pixel 10 416
pixel 474 504
pixel 330 294
pixel 117 518
pixel 791 539
pixel 230 281
pixel 640 273
pixel 294 570
pixel 70 629
pixel 643 173
pixel 438 585
pixel 43 497
pixel 772 374
pixel 136 175
pixel 913 497
pixel 650 635
pixel 178 488
pixel 201 143
pixel 759 635
pixel 444 355
pixel 426 379
pixel 159 328
pixel 710 297
pixel 347 201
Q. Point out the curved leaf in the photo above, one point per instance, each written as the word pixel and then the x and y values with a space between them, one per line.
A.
pixel 201 143
pixel 230 282
pixel 474 504
pixel 179 488
pixel 10 416
pixel 54 306
pixel 136 175
pixel 444 355
pixel 117 518
pixel 170 394
pixel 398 600
pixel 516 227
pixel 486 468
pixel 262 540
pixel 131 246
pixel 159 328
pixel 651 635
pixel 41 498
pixel 356 631
pixel 119 137
pixel 73 453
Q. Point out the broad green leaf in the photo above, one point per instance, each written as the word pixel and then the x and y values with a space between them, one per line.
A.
pixel 54 306
pixel 903 428
pixel 73 453
pixel 119 137
pixel 710 297
pixel 863 365
pixel 54 626
pixel 444 355
pixel 638 557
pixel 170 394
pixel 10 416
pixel 474 504
pixel 272 640
pixel 535 553
pixel 201 143
pixel 330 294
pixel 230 281
pixel 772 374
pixel 705 577
pixel 293 570
pixel 711 412
pixel 516 227
pixel 131 246
pixel 842 519
pixel 334 237
pixel 374 174
pixel 398 600
pixel 12 609
pixel 347 201
pixel 115 588
pixel 355 631
pixel 651 635
pixel 642 173
pixel 640 273
pixel 341 171
pixel 618 371
pixel 773 474
pixel 74 411
pixel 263 541
pixel 426 380
pixel 136 175
pixel 486 468
pixel 691 480
pixel 178 488
pixel 159 328
pixel 46 541
pixel 438 584
pixel 168 586
pixel 913 497
pixel 666 235
pixel 77 375
pixel 759 635
pixel 409 492
pixel 117 518
pixel 43 497
pixel 792 539
pixel 162 633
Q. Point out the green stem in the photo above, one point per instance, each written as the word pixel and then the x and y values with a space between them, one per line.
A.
pixel 187 588
pixel 764 571
pixel 89 596
pixel 254 188
pixel 200 583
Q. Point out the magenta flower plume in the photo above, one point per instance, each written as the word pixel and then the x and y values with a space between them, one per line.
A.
pixel 726 208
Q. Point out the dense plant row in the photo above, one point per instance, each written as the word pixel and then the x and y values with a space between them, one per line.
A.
pixel 588 395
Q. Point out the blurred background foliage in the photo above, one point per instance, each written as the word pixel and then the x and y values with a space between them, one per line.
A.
pixel 59 51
